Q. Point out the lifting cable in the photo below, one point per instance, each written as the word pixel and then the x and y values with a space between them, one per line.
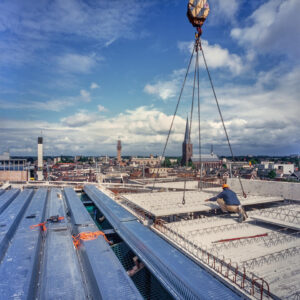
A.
pixel 220 113
pixel 196 48
pixel 174 115
pixel 199 124
pixel 192 110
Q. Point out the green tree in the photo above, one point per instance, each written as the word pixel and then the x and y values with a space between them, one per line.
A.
pixel 253 161
pixel 167 163
pixel 272 174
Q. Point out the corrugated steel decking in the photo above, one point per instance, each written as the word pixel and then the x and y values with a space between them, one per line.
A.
pixel 18 270
pixel 181 276
pixel 46 265
pixel 102 266
pixel 7 198
pixel 11 217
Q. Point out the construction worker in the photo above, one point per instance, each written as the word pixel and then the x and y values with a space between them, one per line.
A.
pixel 229 202
pixel 197 13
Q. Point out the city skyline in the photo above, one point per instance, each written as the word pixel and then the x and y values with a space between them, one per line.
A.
pixel 89 74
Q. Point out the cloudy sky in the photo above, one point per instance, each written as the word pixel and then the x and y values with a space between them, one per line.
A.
pixel 88 72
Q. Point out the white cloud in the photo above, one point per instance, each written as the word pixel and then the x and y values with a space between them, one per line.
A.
pixel 79 119
pixel 94 85
pixel 77 18
pixel 75 63
pixel 259 120
pixel 165 89
pixel 47 105
pixel 101 108
pixel 275 27
pixel 223 11
pixel 216 57
pixel 85 96
pixel 142 130
pixel 50 105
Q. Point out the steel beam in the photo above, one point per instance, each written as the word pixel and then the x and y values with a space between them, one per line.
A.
pixel 107 278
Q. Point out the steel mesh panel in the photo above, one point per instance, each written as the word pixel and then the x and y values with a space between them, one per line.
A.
pixel 149 286
pixel 124 255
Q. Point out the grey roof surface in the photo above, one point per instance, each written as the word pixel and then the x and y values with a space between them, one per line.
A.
pixel 46 265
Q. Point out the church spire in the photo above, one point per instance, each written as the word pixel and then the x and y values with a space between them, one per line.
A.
pixel 187 132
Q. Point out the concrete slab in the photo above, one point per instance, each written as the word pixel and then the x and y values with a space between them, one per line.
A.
pixel 170 203
pixel 260 248
pixel 276 222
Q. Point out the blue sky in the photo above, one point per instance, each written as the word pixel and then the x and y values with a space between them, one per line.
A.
pixel 87 73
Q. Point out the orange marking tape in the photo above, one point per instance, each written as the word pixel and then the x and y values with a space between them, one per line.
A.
pixel 87 236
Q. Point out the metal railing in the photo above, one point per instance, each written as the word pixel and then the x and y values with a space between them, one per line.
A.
pixel 239 276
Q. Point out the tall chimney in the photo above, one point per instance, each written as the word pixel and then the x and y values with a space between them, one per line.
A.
pixel 40 175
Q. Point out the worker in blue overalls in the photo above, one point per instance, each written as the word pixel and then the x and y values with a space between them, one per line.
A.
pixel 229 202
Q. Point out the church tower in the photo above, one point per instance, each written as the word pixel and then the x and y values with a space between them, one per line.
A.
pixel 119 149
pixel 187 147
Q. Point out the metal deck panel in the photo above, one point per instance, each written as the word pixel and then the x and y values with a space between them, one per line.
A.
pixel 181 276
pixel 19 267
pixel 61 274
pixel 61 277
pixel 79 214
pixel 113 211
pixel 107 277
pixel 7 198
pixel 11 217
pixel 56 207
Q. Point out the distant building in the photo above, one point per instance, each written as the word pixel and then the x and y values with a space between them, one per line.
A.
pixel 187 147
pixel 207 161
pixel 119 149
pixel 56 159
pixel 12 169
pixel 146 161
pixel 284 169
pixel 157 172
